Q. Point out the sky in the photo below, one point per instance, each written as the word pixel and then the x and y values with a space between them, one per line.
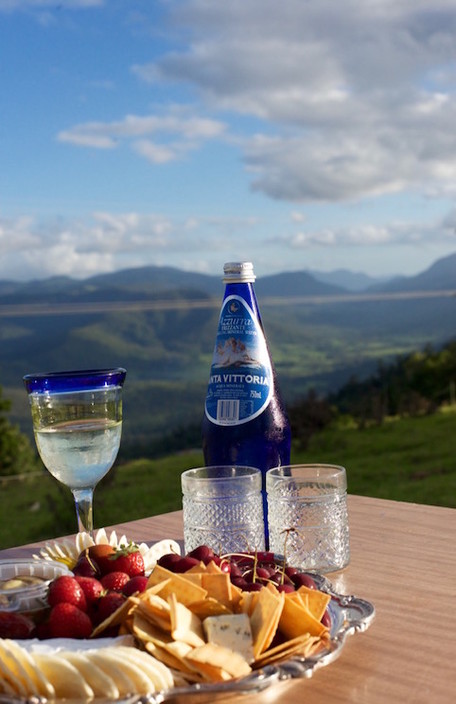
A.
pixel 300 134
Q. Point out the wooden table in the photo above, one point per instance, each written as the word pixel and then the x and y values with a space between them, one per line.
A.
pixel 404 562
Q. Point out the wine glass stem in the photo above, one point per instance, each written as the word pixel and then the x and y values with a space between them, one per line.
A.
pixel 83 499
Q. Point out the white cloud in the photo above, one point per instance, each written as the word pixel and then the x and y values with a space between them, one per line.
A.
pixel 360 95
pixel 398 233
pixel 16 234
pixel 106 241
pixel 178 130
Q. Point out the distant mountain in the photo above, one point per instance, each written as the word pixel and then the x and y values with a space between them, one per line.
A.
pixel 150 282
pixel 296 283
pixel 141 283
pixel 354 281
pixel 440 276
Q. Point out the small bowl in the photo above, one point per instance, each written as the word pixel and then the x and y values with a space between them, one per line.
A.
pixel 29 596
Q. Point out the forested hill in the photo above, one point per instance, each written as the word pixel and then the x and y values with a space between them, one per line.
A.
pixel 415 384
pixel 161 324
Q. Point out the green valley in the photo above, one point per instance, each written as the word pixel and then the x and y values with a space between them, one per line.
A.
pixel 409 459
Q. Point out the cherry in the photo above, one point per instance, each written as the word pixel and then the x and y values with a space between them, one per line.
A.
pixel 202 553
pixel 86 567
pixel 184 564
pixel 263 573
pixel 249 576
pixel 326 619
pixel 226 566
pixel 277 578
pixel 169 560
pixel 253 587
pixel 300 579
pixel 263 556
pixel 240 582
pixel 285 588
pixel 235 570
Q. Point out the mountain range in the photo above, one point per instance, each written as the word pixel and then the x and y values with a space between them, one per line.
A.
pixel 149 281
pixel 160 323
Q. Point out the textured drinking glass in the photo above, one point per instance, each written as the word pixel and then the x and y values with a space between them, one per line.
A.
pixel 308 519
pixel 223 508
pixel 77 422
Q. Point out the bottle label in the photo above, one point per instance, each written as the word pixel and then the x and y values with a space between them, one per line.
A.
pixel 241 384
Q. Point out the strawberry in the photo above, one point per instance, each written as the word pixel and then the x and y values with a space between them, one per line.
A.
pixel 67 621
pixel 66 589
pixel 15 626
pixel 114 581
pixel 107 605
pixel 136 584
pixel 127 559
pixel 91 587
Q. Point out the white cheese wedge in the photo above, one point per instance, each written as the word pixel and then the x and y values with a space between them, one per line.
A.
pixel 233 631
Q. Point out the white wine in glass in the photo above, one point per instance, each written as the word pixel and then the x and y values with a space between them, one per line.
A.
pixel 77 422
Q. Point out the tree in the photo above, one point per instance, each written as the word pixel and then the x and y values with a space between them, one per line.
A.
pixel 16 453
pixel 310 415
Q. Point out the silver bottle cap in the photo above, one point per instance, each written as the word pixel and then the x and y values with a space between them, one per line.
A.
pixel 238 272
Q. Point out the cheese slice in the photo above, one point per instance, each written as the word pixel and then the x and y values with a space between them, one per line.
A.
pixel 232 631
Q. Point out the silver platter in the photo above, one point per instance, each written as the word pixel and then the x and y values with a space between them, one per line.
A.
pixel 349 615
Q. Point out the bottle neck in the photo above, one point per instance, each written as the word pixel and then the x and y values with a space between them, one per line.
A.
pixel 245 290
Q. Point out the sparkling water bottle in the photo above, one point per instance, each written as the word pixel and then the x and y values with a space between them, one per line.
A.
pixel 245 421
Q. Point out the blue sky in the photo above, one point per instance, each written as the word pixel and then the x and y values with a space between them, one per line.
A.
pixel 299 135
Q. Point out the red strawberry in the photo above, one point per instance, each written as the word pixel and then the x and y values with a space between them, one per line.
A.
pixel 91 587
pixel 15 626
pixel 127 559
pixel 67 621
pixel 135 584
pixel 115 581
pixel 107 605
pixel 66 589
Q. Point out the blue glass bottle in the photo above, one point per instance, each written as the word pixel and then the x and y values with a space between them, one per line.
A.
pixel 245 421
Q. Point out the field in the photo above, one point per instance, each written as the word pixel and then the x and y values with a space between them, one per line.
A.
pixel 406 460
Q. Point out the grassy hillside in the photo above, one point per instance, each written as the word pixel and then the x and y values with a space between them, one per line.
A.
pixel 410 459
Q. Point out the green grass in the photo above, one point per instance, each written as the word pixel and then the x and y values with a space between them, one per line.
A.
pixel 410 459
pixel 38 507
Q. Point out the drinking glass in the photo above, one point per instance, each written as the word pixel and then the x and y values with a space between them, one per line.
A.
pixel 308 518
pixel 223 508
pixel 77 423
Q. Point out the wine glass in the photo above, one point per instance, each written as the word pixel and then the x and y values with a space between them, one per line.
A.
pixel 77 422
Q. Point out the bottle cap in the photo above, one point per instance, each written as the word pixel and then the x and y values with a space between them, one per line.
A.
pixel 238 271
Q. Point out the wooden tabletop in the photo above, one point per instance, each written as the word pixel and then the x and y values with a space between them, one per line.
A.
pixel 403 560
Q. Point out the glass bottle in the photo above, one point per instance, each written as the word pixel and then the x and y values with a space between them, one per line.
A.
pixel 245 421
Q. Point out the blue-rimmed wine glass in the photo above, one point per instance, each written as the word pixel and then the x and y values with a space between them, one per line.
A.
pixel 77 422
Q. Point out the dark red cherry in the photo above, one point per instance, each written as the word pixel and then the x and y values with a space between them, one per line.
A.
pixel 169 560
pixel 300 579
pixel 86 567
pixel 253 587
pixel 202 553
pixel 185 564
pixel 326 619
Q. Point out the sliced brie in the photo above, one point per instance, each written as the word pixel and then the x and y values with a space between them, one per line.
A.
pixel 233 631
